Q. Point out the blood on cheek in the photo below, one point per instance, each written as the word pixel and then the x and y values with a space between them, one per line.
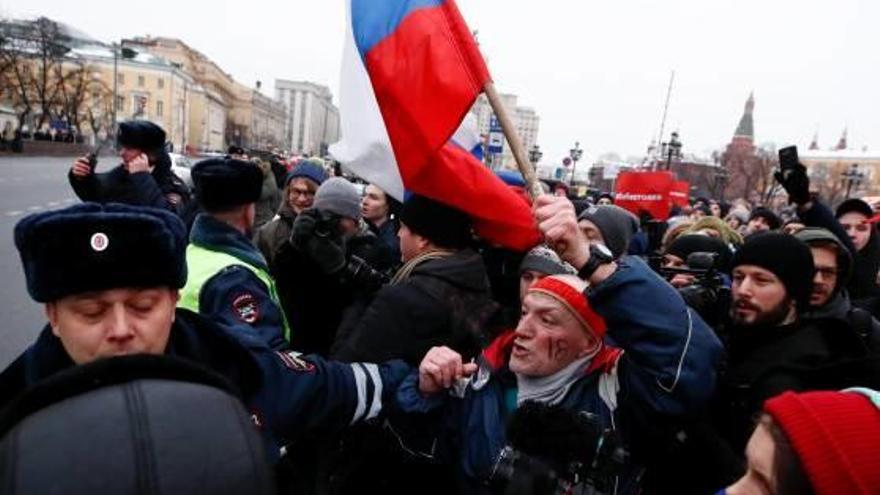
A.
pixel 558 349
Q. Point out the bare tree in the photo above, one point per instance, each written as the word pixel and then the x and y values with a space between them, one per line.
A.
pixel 32 55
pixel 766 162
pixel 49 59
pixel 17 75
pixel 75 82
pixel 99 110
pixel 826 179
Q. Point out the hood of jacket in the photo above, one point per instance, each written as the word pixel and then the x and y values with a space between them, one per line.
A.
pixel 817 235
pixel 836 308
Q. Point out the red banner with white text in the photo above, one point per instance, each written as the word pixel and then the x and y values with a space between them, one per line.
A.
pixel 680 193
pixel 645 192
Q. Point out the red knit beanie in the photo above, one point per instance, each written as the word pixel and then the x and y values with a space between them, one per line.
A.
pixel 836 436
pixel 576 302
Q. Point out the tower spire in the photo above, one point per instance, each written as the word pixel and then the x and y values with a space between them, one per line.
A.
pixel 746 128
pixel 841 145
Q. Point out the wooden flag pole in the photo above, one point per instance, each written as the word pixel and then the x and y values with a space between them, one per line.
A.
pixel 519 153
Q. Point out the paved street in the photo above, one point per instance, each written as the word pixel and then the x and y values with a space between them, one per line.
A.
pixel 27 185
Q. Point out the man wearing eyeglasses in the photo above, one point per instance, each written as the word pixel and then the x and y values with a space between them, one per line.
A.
pixel 829 300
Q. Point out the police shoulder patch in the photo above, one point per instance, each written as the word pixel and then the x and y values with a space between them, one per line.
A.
pixel 246 308
pixel 292 360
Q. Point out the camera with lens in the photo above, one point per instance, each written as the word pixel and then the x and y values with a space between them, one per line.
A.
pixel 552 450
pixel 356 269
pixel 707 295
pixel 360 273
pixel 327 224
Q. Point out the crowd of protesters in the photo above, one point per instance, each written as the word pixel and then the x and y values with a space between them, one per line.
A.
pixel 378 344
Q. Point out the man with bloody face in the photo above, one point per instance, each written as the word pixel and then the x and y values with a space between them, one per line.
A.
pixel 663 361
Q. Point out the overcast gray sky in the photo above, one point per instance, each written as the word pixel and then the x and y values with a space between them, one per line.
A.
pixel 595 71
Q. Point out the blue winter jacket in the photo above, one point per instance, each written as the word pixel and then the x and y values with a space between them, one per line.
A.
pixel 667 368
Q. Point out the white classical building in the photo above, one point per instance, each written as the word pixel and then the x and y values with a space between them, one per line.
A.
pixel 525 119
pixel 312 122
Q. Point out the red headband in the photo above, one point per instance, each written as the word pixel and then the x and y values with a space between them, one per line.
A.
pixel 574 301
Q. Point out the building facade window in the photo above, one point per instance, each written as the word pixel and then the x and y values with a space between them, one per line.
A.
pixel 120 103
pixel 160 83
pixel 160 109
pixel 141 81
pixel 120 78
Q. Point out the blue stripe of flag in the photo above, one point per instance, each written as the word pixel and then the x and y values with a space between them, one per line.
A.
pixel 375 20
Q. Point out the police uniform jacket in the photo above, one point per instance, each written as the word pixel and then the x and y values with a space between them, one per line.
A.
pixel 287 394
pixel 234 295
pixel 159 188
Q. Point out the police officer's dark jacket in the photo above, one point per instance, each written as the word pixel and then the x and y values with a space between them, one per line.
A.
pixel 160 188
pixel 286 393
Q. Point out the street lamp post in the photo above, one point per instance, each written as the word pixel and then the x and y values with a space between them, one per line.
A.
pixel 852 177
pixel 115 83
pixel 721 176
pixel 535 155
pixel 575 153
pixel 672 149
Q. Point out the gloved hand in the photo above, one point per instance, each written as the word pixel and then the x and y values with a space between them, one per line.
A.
pixel 317 236
pixel 796 183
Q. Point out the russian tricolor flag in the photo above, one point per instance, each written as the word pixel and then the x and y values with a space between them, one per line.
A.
pixel 411 71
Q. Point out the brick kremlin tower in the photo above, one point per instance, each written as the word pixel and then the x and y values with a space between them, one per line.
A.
pixel 739 157
pixel 744 137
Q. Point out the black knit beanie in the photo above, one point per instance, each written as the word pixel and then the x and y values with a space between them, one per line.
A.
pixel 854 204
pixel 443 225
pixel 785 256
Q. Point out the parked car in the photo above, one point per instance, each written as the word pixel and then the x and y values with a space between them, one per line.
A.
pixel 181 166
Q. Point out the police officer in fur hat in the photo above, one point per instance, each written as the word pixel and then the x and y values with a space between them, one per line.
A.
pixel 143 179
pixel 229 280
pixel 120 298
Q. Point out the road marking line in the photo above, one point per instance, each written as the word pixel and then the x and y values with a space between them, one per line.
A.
pixel 53 203
pixel 13 213
pixel 34 208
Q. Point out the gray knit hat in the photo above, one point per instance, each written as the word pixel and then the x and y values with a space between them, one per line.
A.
pixel 339 196
pixel 616 225
pixel 545 260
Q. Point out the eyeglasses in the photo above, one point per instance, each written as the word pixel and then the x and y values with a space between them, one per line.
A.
pixel 302 192
pixel 827 273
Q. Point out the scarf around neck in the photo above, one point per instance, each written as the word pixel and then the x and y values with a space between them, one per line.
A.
pixel 408 267
pixel 550 389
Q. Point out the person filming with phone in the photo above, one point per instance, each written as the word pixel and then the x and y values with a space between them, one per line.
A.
pixel 143 179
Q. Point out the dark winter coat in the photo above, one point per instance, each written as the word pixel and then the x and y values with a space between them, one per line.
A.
pixel 159 188
pixel 313 301
pixel 862 287
pixel 766 361
pixel 444 301
pixel 840 313
pixel 275 234
pixel 387 234
pixel 287 395
pixel 270 198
